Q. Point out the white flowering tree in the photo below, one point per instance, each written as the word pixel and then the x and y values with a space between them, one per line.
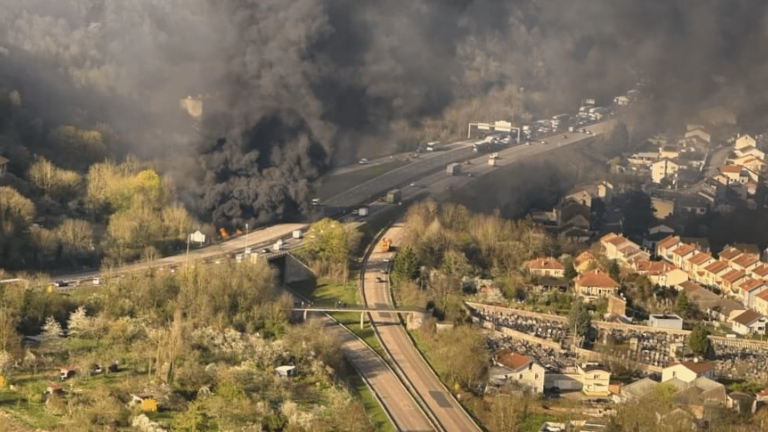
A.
pixel 50 339
pixel 80 324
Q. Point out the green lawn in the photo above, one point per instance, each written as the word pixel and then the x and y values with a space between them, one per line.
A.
pixel 30 413
pixel 334 185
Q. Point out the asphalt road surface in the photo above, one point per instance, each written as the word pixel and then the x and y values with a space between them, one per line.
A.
pixel 405 357
pixel 403 410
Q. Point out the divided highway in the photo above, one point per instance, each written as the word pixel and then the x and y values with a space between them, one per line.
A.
pixel 407 360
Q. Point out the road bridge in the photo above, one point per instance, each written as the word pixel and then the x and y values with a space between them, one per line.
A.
pixel 362 309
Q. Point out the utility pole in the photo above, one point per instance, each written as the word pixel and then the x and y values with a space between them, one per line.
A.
pixel 188 237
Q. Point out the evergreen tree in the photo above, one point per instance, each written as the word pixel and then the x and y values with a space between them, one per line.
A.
pixel 613 271
pixel 406 265
pixel 683 305
pixel 698 341
pixel 570 271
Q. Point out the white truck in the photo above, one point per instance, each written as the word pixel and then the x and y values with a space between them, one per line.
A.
pixel 453 169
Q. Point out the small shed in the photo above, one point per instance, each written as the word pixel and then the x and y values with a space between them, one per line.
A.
pixel 53 390
pixel 286 371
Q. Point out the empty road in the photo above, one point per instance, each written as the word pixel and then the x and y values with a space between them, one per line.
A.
pixel 405 357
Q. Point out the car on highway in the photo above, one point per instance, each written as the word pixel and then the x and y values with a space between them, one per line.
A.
pixel 61 284
pixel 355 211
pixel 413 185
pixel 265 250
pixel 315 201
pixel 363 161
pixel 469 174
pixel 387 260
pixel 380 280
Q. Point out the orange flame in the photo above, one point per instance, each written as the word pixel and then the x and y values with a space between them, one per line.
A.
pixel 238 232
pixel 223 233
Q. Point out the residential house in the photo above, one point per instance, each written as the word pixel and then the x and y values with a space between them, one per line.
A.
pixel 759 272
pixel 750 151
pixel 621 249
pixel 595 379
pixel 750 162
pixel 714 272
pixel 521 369
pixel 666 246
pixel 682 253
pixel 730 279
pixel 748 322
pixel 729 253
pixel 746 262
pixel 580 196
pixel 730 174
pixel 545 267
pixel 668 152
pixel 744 141
pixel 697 133
pixel 695 265
pixel 748 289
pixel 583 261
pixel 688 371
pixel 660 273
pixel 595 283
pixel 643 158
pixel 3 165
pixel 635 390
pixel 664 169
pixel 761 302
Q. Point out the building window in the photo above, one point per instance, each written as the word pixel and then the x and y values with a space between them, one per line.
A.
pixel 597 376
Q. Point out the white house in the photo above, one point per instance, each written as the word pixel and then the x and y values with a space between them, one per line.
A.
pixel 748 322
pixel 664 168
pixel 595 379
pixel 521 369
pixel 545 267
pixel 688 371
pixel 745 141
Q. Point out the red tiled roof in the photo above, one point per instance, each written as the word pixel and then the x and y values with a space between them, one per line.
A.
pixel 544 264
pixel 512 360
pixel 763 295
pixel 733 275
pixel 716 267
pixel 596 278
pixel 747 317
pixel 684 249
pixel 730 169
pixel 700 258
pixel 607 237
pixel 761 270
pixel 695 367
pixel 763 392
pixel 745 260
pixel 749 284
pixel 668 242
pixel 729 253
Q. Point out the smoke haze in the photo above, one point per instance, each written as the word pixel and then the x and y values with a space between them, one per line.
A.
pixel 299 86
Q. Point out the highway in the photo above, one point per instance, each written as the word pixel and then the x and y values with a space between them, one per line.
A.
pixel 405 357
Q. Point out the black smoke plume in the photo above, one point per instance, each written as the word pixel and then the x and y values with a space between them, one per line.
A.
pixel 299 86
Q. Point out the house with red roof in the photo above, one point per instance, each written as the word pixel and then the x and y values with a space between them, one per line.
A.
pixel 682 253
pixel 582 262
pixel 760 272
pixel 665 246
pixel 660 273
pixel 729 280
pixel 696 264
pixel 547 267
pixel 714 272
pixel 746 261
pixel 749 288
pixel 761 302
pixel 594 284
pixel 518 368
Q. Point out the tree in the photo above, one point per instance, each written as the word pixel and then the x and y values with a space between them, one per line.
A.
pixel 55 182
pixel 16 215
pixel 570 271
pixel 683 305
pixel 406 265
pixel 638 213
pixel 51 336
pixel 75 236
pixel 80 324
pixel 698 341
pixel 579 319
pixel 613 271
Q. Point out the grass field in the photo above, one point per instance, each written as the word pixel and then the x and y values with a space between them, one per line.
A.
pixel 334 185
pixel 375 412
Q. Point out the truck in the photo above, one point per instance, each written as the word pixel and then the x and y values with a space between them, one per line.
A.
pixel 362 212
pixel 560 121
pixel 492 162
pixel 297 234
pixel 394 196
pixel 495 155
pixel 385 245
pixel 433 146
pixel 453 169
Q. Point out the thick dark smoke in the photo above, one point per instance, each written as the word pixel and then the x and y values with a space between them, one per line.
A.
pixel 298 86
